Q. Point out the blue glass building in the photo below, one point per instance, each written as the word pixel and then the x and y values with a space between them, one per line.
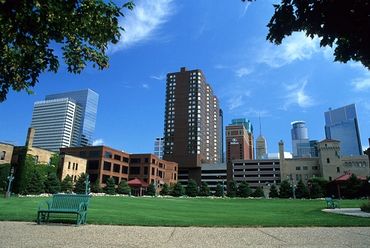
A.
pixel 88 103
pixel 341 124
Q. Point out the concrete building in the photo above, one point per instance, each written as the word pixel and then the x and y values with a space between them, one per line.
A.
pixel 300 142
pixel 239 142
pixel 158 147
pixel 71 166
pixel 192 126
pixel 6 153
pixel 213 174
pixel 341 124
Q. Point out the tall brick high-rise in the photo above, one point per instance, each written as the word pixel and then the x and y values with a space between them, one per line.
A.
pixel 193 123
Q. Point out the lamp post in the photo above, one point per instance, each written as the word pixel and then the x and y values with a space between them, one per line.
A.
pixel 87 185
pixel 10 180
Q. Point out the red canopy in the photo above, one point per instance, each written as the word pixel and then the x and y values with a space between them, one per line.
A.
pixel 137 183
pixel 346 176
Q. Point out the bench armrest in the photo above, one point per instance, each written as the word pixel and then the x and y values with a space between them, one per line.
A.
pixel 45 203
pixel 83 206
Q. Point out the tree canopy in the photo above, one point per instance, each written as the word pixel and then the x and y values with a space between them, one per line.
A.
pixel 31 30
pixel 344 25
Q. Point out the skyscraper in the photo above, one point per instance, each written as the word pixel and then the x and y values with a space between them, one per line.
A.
pixel 88 101
pixel 239 142
pixel 341 124
pixel 300 143
pixel 65 120
pixel 261 145
pixel 158 147
pixel 192 127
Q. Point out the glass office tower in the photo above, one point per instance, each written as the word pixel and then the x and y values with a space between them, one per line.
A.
pixel 341 124
pixel 88 102
pixel 300 143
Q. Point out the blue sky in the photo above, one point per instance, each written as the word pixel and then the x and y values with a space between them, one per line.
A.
pixel 226 39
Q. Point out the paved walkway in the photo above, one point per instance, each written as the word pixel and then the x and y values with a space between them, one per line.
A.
pixel 348 211
pixel 24 234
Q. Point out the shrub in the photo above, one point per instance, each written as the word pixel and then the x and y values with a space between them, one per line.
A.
pixel 52 184
pixel 95 187
pixel 67 184
pixel 273 192
pixel 110 188
pixel 165 189
pixel 366 207
pixel 178 190
pixel 192 188
pixel 204 189
pixel 80 186
pixel 151 190
pixel 244 190
pixel 219 190
pixel 258 192
pixel 123 188
pixel 231 189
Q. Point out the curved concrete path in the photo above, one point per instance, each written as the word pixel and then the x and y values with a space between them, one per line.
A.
pixel 25 234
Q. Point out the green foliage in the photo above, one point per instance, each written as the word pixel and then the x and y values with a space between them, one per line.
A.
pixel 285 190
pixel 178 190
pixel 318 188
pixel 95 187
pixel 204 189
pixel 151 189
pixel 123 188
pixel 258 192
pixel 67 184
pixel 36 183
pixel 30 30
pixel 352 187
pixel 343 25
pixel 301 190
pixel 219 190
pixel 192 188
pixel 54 160
pixel 80 185
pixel 231 189
pixel 52 184
pixel 165 189
pixel 4 173
pixel 244 190
pixel 110 188
pixel 273 192
pixel 366 207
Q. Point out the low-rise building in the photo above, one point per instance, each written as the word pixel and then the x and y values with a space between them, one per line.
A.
pixel 71 166
pixel 214 174
pixel 6 153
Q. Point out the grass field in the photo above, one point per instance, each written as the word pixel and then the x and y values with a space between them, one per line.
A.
pixel 196 212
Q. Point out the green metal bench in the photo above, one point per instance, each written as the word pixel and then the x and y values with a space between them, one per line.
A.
pixel 330 203
pixel 64 204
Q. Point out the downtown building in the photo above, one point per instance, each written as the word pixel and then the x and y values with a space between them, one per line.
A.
pixel 65 120
pixel 341 124
pixel 193 123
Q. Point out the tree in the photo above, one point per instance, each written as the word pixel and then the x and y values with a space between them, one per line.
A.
pixel 231 189
pixel 31 31
pixel 285 190
pixel 258 192
pixel 192 188
pixel 340 24
pixel 151 189
pixel 352 187
pixel 273 192
pixel 80 185
pixel 178 190
pixel 318 187
pixel 95 187
pixel 4 173
pixel 110 186
pixel 219 190
pixel 66 185
pixel 204 189
pixel 301 190
pixel 52 184
pixel 123 188
pixel 165 189
pixel 244 190
pixel 36 185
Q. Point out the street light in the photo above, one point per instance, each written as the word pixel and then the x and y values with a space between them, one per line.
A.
pixel 87 185
pixel 10 180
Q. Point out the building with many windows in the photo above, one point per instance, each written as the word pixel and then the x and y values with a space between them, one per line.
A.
pixel 341 124
pixel 192 126
pixel 158 147
pixel 300 142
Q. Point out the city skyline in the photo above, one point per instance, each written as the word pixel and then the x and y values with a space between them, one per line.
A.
pixel 295 81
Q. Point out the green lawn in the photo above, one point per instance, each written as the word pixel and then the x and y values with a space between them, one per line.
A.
pixel 196 212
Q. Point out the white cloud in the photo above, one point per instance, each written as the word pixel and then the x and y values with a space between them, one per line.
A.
pixel 235 102
pixel 243 71
pixel 141 23
pixel 145 86
pixel 98 142
pixel 159 78
pixel 245 9
pixel 363 82
pixel 252 112
pixel 296 95
pixel 295 47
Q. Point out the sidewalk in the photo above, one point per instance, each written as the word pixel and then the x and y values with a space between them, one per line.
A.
pixel 25 234
pixel 348 211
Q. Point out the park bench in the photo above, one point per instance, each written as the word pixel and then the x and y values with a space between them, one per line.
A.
pixel 330 203
pixel 64 204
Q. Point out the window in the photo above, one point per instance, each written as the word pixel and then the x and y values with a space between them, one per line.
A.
pixel 69 165
pixel 108 155
pixel 107 166
pixel 116 168
pixel 305 167
pixel 94 154
pixel 338 169
pixel 135 170
pixel 146 160
pixel 298 168
pixel 145 171
pixel 135 160
pixel 2 155
pixel 125 159
pixel 117 157
pixel 328 160
pixel 125 169
pixel 76 166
